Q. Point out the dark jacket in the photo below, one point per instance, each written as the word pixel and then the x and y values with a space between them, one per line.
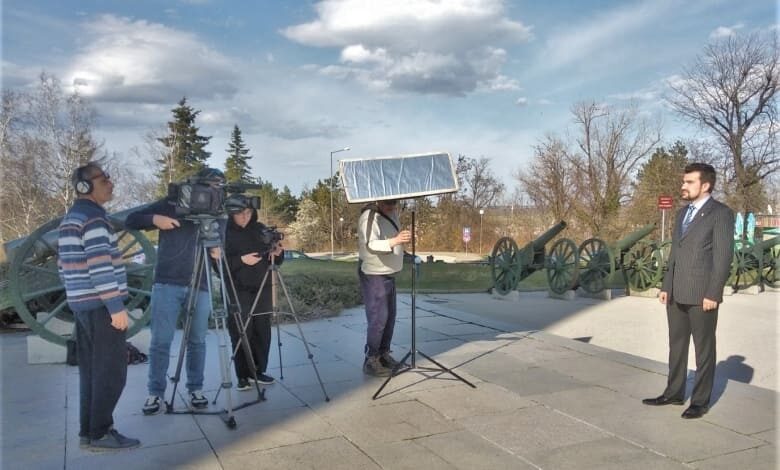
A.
pixel 176 248
pixel 240 241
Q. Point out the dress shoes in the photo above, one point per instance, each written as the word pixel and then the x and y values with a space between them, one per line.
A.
pixel 695 411
pixel 661 401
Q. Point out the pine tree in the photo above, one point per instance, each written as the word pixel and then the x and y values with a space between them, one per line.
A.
pixel 237 169
pixel 185 152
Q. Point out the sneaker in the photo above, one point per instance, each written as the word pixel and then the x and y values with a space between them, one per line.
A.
pixel 112 440
pixel 243 384
pixel 373 366
pixel 263 379
pixel 388 361
pixel 152 405
pixel 197 400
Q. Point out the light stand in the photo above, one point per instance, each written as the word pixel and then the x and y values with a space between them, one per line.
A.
pixel 413 351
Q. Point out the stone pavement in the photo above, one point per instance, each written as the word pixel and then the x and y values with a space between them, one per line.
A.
pixel 541 401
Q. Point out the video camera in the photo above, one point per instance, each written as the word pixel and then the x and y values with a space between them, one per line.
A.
pixel 204 195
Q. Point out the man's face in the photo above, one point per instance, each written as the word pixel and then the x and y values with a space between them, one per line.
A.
pixel 242 218
pixel 388 207
pixel 692 187
pixel 103 186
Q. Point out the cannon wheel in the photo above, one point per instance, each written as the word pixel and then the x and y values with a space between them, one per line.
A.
pixel 643 266
pixel 562 267
pixel 770 258
pixel 745 268
pixel 35 285
pixel 596 265
pixel 504 265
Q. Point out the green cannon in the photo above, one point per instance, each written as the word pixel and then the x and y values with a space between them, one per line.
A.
pixel 510 265
pixel 597 261
pixel 37 293
pixel 755 264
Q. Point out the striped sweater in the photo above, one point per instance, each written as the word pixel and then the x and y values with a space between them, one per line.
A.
pixel 90 264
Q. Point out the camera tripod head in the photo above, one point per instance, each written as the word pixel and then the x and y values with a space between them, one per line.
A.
pixel 208 226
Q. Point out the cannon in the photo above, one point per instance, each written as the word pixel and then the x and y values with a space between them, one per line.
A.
pixel 644 264
pixel 510 265
pixel 755 264
pixel 597 261
pixel 37 293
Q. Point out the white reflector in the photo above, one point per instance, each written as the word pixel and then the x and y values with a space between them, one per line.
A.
pixel 408 176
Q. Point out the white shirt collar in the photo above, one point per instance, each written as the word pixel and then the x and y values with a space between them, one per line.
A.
pixel 700 203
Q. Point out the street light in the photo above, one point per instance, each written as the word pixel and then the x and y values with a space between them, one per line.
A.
pixel 481 213
pixel 331 197
pixel 341 234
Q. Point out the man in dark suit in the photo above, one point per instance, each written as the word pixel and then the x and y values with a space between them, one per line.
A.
pixel 702 249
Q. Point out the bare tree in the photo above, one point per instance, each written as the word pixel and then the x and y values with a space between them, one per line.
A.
pixel 549 181
pixel 611 143
pixel 481 187
pixel 731 90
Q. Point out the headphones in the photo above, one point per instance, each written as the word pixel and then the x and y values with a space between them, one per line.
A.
pixel 83 186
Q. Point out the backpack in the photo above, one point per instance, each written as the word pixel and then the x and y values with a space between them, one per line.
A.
pixel 134 356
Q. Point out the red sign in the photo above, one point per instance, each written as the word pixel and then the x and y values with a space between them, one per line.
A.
pixel 665 202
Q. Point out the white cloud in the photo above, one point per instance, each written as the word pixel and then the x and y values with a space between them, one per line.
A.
pixel 139 61
pixel 726 31
pixel 424 46
pixel 522 101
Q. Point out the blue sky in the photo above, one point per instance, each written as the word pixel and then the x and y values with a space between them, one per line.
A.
pixel 483 78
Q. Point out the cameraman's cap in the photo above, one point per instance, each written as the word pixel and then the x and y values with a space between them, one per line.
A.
pixel 236 203
pixel 212 175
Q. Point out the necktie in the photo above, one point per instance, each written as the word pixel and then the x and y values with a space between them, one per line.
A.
pixel 688 218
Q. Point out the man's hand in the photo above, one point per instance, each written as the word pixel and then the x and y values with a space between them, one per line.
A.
pixel 215 252
pixel 164 222
pixel 708 305
pixel 404 236
pixel 278 250
pixel 663 297
pixel 119 320
pixel 251 259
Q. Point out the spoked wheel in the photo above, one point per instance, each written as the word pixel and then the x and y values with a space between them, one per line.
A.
pixel 770 258
pixel 643 266
pixel 505 265
pixel 562 266
pixel 596 265
pixel 37 292
pixel 745 268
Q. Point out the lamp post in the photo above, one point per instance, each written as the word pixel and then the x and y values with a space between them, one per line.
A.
pixel 331 197
pixel 341 234
pixel 481 213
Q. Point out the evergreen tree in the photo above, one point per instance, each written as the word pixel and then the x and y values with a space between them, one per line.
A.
pixel 659 176
pixel 185 152
pixel 287 205
pixel 237 169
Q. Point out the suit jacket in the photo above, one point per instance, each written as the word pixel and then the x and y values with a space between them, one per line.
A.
pixel 700 260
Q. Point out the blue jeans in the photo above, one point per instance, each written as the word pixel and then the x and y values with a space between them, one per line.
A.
pixel 167 301
pixel 379 298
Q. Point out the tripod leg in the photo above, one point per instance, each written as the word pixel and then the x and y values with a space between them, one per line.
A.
pixel 446 369
pixel 188 315
pixel 277 277
pixel 396 370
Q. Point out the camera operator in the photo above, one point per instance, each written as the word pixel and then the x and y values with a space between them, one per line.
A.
pixel 249 248
pixel 173 276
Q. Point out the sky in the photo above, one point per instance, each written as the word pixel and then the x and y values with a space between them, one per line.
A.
pixel 481 78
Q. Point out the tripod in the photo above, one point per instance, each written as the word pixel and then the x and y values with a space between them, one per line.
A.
pixel 413 351
pixel 276 281
pixel 207 237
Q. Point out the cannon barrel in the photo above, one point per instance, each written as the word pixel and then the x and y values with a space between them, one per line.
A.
pixel 49 239
pixel 544 239
pixel 531 256
pixel 767 244
pixel 632 238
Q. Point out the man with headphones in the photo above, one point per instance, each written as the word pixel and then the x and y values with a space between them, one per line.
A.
pixel 173 273
pixel 90 265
